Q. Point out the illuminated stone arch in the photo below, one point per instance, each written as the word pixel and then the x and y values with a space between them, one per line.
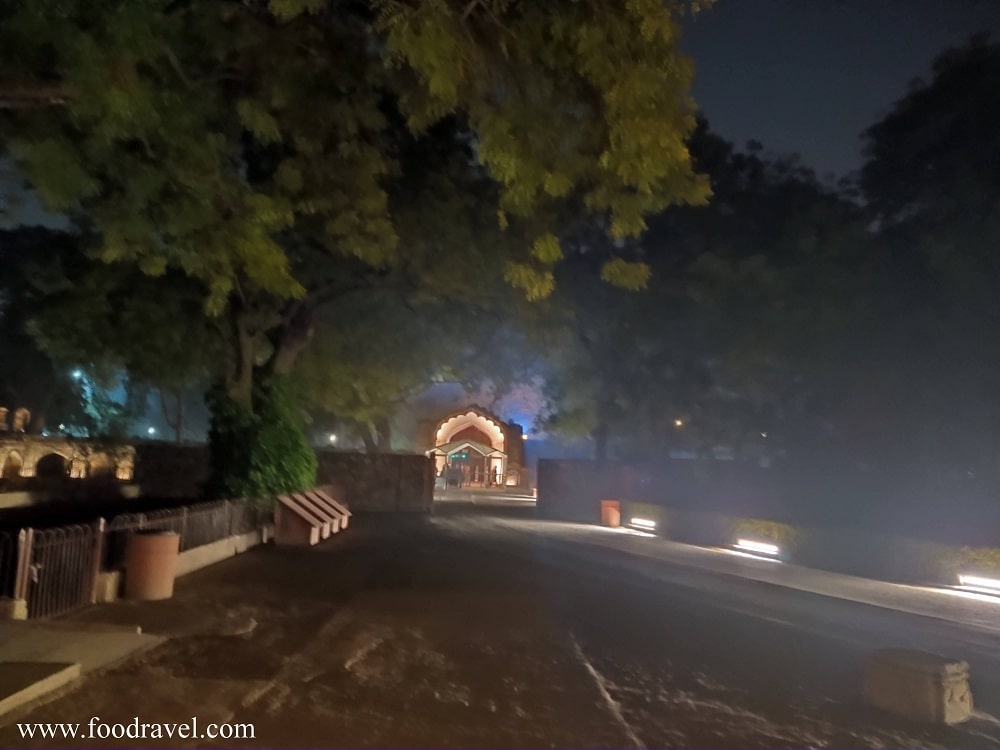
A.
pixel 12 465
pixel 53 464
pixel 492 428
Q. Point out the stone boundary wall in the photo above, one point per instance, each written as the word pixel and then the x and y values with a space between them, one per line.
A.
pixel 859 552
pixel 962 512
pixel 876 538
pixel 377 482
pixel 168 470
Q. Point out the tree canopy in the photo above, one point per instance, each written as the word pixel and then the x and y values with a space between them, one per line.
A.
pixel 264 150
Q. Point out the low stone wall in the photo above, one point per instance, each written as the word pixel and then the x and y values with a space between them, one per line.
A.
pixel 960 511
pixel 208 554
pixel 365 481
pixel 109 582
pixel 378 482
pixel 78 494
pixel 866 528
pixel 871 554
pixel 571 489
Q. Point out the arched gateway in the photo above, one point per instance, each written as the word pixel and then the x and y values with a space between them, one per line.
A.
pixel 475 448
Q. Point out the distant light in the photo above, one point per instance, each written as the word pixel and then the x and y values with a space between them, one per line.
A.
pixel 763 434
pixel 751 555
pixel 62 427
pixel 624 530
pixel 678 423
pixel 76 374
pixel 523 436
pixel 643 523
pixel 762 548
pixel 151 431
pixel 979 583
pixel 333 437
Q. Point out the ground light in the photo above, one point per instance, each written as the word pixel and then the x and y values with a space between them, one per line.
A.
pixel 979 584
pixel 758 549
pixel 643 523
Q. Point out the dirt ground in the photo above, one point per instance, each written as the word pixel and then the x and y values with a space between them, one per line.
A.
pixel 416 633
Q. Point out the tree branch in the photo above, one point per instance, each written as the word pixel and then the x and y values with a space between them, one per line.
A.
pixel 32 97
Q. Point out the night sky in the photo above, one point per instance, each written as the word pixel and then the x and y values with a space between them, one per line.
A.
pixel 807 76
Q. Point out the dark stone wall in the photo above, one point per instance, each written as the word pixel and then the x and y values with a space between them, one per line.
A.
pixel 397 482
pixel 366 482
pixel 171 471
pixel 961 511
pixel 571 489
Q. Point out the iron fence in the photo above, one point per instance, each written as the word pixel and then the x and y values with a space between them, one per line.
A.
pixel 56 570
pixel 8 564
pixel 197 525
pixel 62 568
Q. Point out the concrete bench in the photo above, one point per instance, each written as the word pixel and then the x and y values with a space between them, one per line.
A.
pixel 918 685
pixel 323 497
pixel 296 525
pixel 319 510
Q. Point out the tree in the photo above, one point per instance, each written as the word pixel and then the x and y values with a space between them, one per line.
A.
pixel 931 180
pixel 28 376
pixel 253 146
pixel 743 332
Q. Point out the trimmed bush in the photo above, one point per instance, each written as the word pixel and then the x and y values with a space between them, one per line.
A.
pixel 259 450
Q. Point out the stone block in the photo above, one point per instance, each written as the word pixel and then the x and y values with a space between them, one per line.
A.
pixel 918 685
pixel 109 584
pixel 13 609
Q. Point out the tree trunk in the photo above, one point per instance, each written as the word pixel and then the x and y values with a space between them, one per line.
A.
pixel 383 433
pixel 290 338
pixel 177 423
pixel 239 383
pixel 180 418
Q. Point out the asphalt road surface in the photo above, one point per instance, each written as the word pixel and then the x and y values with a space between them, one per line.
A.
pixel 478 627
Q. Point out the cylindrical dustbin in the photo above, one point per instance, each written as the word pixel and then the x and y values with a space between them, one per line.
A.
pixel 611 513
pixel 151 565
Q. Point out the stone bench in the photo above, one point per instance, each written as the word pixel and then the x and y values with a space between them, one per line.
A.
pixel 324 497
pixel 296 525
pixel 304 518
pixel 918 685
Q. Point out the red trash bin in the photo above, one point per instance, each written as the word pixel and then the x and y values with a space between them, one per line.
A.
pixel 151 565
pixel 611 513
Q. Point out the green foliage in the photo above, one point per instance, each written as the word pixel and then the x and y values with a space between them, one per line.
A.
pixel 176 167
pixel 259 451
pixel 274 154
pixel 733 318
pixel 625 274
pixel 930 180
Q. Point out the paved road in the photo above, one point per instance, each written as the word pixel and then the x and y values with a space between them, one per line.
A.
pixel 475 628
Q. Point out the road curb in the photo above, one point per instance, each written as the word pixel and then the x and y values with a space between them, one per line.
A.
pixel 29 681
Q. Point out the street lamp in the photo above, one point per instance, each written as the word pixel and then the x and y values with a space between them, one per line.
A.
pixel 333 438
pixel 150 431
pixel 678 423
pixel 76 374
